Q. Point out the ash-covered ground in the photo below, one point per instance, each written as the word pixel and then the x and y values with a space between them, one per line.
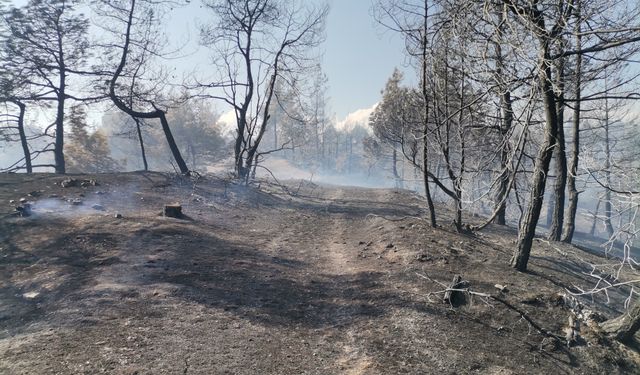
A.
pixel 299 278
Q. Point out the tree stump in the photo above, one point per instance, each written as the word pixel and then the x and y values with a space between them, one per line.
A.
pixel 173 210
pixel 452 296
pixel 624 327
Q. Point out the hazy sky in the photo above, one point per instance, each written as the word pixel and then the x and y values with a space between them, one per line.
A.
pixel 359 55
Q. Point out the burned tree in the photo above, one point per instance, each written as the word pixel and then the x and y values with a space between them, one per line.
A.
pixel 257 44
pixel 49 39
pixel 134 43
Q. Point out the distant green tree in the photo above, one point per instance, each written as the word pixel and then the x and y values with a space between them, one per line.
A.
pixel 87 151
pixel 195 126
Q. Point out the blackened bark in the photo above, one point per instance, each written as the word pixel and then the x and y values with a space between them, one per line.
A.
pixel 58 150
pixel 156 113
pixel 555 230
pixel 23 137
pixel 506 114
pixel 527 230
pixel 425 126
pixel 503 187
pixel 572 208
pixel 141 141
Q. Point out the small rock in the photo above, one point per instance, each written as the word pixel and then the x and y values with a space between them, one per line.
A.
pixel 30 295
pixel 23 200
pixel 12 201
pixel 98 207
pixel 77 202
pixel 389 245
pixel 118 216
pixel 69 182
pixel 34 193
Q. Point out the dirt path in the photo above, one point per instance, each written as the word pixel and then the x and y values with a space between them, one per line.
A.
pixel 322 281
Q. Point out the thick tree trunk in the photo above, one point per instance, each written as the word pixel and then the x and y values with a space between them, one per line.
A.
pixel 503 187
pixel 555 229
pixel 624 327
pixel 58 150
pixel 172 143
pixel 541 168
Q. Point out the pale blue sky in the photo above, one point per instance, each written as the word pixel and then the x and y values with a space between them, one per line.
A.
pixel 359 56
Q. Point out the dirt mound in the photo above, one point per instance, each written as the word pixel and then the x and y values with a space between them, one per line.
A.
pixel 302 279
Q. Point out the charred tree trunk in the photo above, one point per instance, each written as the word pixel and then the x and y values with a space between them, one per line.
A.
pixel 624 327
pixel 58 150
pixel 607 170
pixel 503 187
pixel 141 140
pixel 23 136
pixel 527 229
pixel 175 151
pixel 572 208
pixel 156 113
pixel 425 126
pixel 555 230
pixel 506 122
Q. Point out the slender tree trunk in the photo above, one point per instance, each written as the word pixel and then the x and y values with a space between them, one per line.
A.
pixel 23 136
pixel 595 219
pixel 607 170
pixel 572 208
pixel 425 126
pixel 396 176
pixel 506 121
pixel 527 229
pixel 141 141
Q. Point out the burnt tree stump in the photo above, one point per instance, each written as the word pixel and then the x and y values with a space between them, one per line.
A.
pixel 173 210
pixel 453 296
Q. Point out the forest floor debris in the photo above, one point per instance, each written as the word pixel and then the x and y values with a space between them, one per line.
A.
pixel 259 281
